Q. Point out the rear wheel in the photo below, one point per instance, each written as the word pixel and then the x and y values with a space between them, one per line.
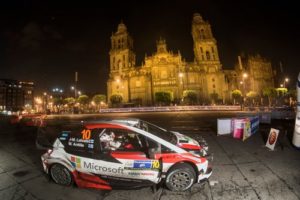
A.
pixel 181 177
pixel 61 175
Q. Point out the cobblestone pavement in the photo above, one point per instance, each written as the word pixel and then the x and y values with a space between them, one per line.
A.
pixel 241 170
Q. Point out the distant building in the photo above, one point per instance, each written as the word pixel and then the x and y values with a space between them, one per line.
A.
pixel 259 73
pixel 166 71
pixel 15 95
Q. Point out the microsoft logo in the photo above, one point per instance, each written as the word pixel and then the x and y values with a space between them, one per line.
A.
pixel 76 162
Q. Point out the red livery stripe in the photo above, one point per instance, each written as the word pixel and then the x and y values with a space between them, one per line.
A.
pixel 92 126
pixel 189 146
pixel 137 155
pixel 90 181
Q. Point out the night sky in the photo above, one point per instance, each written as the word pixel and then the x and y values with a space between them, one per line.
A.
pixel 47 41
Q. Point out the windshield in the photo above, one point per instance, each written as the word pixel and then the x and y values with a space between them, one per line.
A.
pixel 158 131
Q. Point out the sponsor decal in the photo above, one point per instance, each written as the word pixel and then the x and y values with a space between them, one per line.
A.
pixel 64 135
pixel 146 164
pixel 79 142
pixel 134 173
pixel 76 162
pixel 273 135
pixel 141 174
pixel 98 168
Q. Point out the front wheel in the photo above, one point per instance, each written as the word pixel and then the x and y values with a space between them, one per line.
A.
pixel 61 175
pixel 181 177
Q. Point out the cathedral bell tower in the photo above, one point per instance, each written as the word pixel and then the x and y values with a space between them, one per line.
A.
pixel 122 61
pixel 122 57
pixel 205 45
pixel 207 58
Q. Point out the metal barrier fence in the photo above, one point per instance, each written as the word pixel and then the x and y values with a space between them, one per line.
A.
pixel 171 108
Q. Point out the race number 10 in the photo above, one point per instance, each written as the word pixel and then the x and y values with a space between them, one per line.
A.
pixel 155 164
pixel 86 134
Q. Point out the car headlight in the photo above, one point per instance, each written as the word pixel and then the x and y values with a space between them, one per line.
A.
pixel 297 129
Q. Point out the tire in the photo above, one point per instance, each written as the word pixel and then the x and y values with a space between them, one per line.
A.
pixel 180 177
pixel 61 175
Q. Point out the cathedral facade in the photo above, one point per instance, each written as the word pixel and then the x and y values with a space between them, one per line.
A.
pixel 165 71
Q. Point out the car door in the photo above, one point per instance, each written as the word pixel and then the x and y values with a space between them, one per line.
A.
pixel 79 146
pixel 123 161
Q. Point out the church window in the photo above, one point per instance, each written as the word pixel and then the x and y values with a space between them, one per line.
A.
pixel 214 86
pixel 202 34
pixel 164 74
pixel 138 84
pixel 201 50
pixel 119 64
pixel 202 57
pixel 213 80
pixel 192 79
pixel 207 55
pixel 119 44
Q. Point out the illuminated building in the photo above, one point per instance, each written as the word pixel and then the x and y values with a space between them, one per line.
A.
pixel 259 73
pixel 15 95
pixel 165 71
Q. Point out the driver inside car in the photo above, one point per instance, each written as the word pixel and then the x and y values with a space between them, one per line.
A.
pixel 108 140
pixel 111 141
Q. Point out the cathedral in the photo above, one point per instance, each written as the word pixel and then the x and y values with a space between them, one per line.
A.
pixel 166 71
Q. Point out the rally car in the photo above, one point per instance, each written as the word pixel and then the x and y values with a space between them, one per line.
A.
pixel 123 153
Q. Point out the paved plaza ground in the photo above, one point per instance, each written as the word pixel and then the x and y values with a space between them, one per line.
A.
pixel 241 170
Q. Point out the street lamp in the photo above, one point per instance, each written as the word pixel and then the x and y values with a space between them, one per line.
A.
pixel 74 88
pixel 286 80
pixel 244 76
pixel 180 75
pixel 45 102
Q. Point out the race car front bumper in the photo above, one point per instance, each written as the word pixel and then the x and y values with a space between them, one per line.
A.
pixel 44 159
pixel 203 176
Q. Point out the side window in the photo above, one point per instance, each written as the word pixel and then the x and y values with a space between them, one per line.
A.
pixel 79 141
pixel 166 149
pixel 119 140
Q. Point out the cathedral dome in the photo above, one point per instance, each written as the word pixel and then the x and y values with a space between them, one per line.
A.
pixel 197 18
pixel 122 27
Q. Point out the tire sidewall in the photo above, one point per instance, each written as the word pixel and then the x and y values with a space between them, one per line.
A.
pixel 65 170
pixel 180 168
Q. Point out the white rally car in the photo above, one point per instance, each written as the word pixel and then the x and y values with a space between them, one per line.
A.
pixel 124 153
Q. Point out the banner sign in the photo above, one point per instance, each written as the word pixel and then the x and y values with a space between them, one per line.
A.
pixel 272 139
pixel 254 121
pixel 224 126
pixel 238 128
pixel 243 128
pixel 247 129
